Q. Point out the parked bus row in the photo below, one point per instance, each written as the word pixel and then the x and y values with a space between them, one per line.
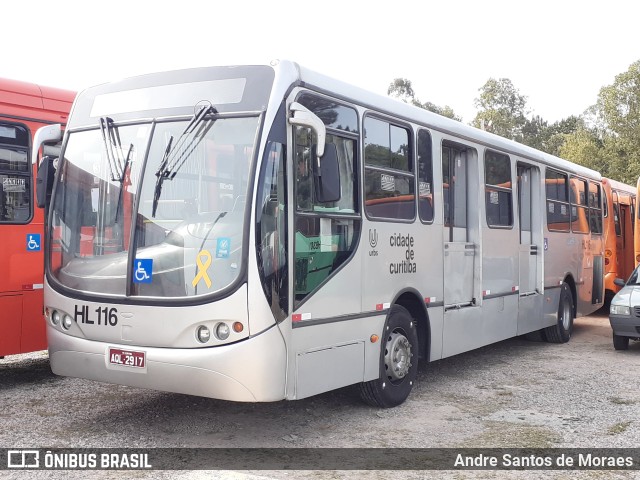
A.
pixel 257 233
pixel 24 108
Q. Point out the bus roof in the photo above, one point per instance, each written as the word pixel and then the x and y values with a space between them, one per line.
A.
pixel 289 72
pixel 432 120
pixel 28 101
pixel 622 187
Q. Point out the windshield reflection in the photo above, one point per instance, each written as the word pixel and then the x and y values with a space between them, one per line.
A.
pixel 187 242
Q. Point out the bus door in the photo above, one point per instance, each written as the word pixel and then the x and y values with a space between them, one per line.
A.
pixel 625 241
pixel 530 256
pixel 618 221
pixel 459 248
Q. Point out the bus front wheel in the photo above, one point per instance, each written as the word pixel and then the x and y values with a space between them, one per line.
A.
pixel 398 361
pixel 561 331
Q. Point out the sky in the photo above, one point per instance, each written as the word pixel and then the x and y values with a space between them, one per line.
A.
pixel 558 54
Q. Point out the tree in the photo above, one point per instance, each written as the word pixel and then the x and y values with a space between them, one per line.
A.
pixel 584 147
pixel 402 89
pixel 536 133
pixel 502 109
pixel 558 132
pixel 616 117
pixel 608 138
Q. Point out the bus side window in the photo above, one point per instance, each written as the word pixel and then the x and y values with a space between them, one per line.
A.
pixel 389 178
pixel 595 208
pixel 498 191
pixel 15 175
pixel 616 214
pixel 425 177
pixel 557 201
pixel 579 207
pixel 271 220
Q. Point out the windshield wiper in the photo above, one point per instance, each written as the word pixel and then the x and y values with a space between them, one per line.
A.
pixel 160 176
pixel 118 165
pixel 113 146
pixel 174 158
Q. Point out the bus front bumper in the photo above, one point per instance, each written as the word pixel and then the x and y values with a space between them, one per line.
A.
pixel 252 370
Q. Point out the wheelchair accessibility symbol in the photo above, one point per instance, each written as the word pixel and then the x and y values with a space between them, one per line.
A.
pixel 142 270
pixel 33 242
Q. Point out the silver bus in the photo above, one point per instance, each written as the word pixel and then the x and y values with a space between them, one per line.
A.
pixel 258 233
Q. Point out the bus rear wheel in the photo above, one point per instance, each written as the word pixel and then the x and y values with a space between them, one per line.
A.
pixel 398 362
pixel 561 331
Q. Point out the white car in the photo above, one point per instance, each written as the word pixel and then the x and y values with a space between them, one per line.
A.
pixel 624 312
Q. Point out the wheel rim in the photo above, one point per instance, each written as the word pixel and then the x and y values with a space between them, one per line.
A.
pixel 566 315
pixel 397 357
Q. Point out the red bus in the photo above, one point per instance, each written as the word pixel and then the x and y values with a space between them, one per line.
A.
pixel 24 108
pixel 619 214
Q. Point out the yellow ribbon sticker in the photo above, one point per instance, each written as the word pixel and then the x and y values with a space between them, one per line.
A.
pixel 202 268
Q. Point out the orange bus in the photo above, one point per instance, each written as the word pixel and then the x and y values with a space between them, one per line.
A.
pixel 619 214
pixel 24 107
pixel 636 230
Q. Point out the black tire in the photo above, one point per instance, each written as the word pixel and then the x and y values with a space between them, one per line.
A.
pixel 398 361
pixel 620 342
pixel 561 331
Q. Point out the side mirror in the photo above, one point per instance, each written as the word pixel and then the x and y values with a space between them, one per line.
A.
pixel 44 181
pixel 327 175
pixel 50 133
pixel 300 115
pixel 619 282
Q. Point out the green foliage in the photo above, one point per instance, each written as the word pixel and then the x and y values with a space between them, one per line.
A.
pixel 502 109
pixel 584 147
pixel 402 89
pixel 616 116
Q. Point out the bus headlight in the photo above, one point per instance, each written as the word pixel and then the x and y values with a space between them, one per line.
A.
pixel 222 331
pixel 620 310
pixel 203 334
pixel 55 317
pixel 66 322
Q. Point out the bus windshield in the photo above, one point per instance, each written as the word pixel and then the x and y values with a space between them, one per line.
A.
pixel 167 223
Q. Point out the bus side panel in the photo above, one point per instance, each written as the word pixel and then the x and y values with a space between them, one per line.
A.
pixel 334 355
pixel 11 308
pixel 551 304
pixel 23 278
pixel 405 257
pixel 34 336
pixel 561 258
pixel 474 327
pixel 500 276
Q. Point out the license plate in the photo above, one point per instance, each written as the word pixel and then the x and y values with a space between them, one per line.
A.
pixel 127 358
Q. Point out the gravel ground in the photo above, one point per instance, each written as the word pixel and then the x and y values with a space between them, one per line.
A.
pixel 516 393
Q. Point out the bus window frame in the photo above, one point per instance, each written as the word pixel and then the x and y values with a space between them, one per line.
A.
pixel 392 121
pixel 26 174
pixel 579 206
pixel 419 130
pixel 602 198
pixel 499 188
pixel 555 201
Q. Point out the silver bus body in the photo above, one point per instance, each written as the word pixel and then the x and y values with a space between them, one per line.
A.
pixel 465 285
